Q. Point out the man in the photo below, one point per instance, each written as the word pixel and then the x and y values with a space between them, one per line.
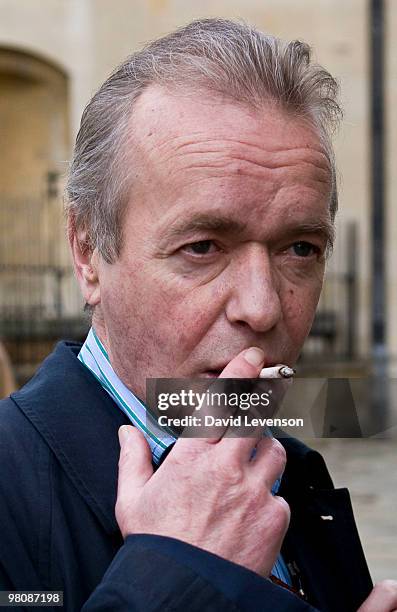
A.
pixel 201 202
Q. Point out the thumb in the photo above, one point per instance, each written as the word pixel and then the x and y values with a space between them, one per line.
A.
pixel 246 364
pixel 135 463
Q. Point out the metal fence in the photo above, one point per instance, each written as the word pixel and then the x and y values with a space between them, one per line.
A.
pixel 39 305
pixel 39 298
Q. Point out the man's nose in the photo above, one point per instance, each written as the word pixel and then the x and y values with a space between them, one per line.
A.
pixel 254 292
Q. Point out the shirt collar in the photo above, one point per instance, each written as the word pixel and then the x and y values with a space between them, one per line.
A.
pixel 94 356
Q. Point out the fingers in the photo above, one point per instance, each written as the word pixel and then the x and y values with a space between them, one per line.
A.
pixel 269 461
pixel 135 463
pixel 135 469
pixel 246 364
pixel 383 598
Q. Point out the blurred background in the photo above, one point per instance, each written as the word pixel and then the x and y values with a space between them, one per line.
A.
pixel 53 56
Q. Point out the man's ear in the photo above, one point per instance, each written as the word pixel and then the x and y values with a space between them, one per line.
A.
pixel 85 262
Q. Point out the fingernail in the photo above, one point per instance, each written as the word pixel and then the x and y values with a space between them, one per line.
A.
pixel 124 432
pixel 255 356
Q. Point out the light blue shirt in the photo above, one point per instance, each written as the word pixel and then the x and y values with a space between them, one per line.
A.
pixel 94 356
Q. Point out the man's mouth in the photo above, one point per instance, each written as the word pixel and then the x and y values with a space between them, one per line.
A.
pixel 217 370
pixel 212 373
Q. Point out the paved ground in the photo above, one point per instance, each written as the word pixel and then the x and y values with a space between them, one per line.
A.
pixel 368 467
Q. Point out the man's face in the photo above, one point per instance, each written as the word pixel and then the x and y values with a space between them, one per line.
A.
pixel 224 240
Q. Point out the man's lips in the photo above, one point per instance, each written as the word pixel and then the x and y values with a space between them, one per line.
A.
pixel 212 373
pixel 215 372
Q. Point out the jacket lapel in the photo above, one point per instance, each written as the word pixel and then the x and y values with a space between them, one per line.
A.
pixel 79 421
pixel 322 541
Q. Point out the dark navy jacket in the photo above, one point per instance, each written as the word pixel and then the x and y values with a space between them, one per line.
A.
pixel 58 455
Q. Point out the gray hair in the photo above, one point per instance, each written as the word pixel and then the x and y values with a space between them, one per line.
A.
pixel 220 56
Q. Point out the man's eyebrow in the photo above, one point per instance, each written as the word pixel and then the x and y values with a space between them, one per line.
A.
pixel 225 225
pixel 205 222
pixel 324 227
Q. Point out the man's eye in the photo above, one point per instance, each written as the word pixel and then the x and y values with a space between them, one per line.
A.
pixel 304 249
pixel 203 247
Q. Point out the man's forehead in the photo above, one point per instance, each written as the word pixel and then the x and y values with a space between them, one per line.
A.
pixel 166 118
pixel 198 157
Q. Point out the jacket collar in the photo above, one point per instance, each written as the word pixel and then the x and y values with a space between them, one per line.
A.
pixel 79 421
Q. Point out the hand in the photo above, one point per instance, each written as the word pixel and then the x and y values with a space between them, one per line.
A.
pixel 383 598
pixel 207 492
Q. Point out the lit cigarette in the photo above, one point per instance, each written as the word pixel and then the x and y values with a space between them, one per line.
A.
pixel 279 371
